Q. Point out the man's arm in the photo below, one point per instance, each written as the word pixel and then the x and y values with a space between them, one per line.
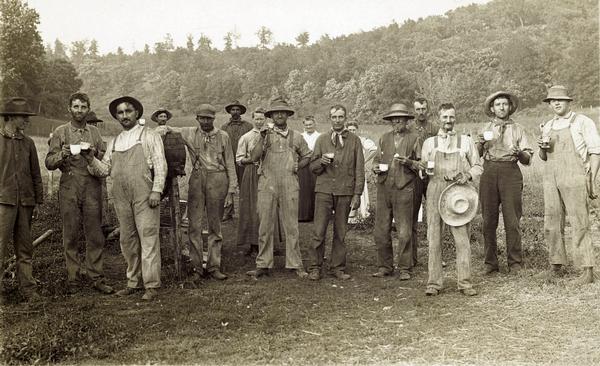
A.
pixel 474 160
pixel 156 150
pixel 101 168
pixel 229 163
pixel 359 168
pixel 56 155
pixel 36 175
pixel 316 165
pixel 304 152
pixel 241 157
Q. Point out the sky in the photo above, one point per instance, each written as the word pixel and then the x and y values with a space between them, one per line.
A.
pixel 133 23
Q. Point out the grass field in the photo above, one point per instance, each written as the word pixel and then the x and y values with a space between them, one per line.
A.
pixel 515 319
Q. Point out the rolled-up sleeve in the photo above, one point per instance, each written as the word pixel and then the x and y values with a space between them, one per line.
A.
pixel 474 160
pixel 101 168
pixel 159 162
pixel 590 136
pixel 229 162
pixel 55 157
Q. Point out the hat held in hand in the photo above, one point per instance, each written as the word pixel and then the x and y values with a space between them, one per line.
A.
pixel 458 204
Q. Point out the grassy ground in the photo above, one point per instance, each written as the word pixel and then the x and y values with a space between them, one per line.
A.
pixel 515 319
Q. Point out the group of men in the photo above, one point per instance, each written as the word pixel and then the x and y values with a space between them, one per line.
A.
pixel 415 160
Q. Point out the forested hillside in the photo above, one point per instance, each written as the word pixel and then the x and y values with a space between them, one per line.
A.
pixel 518 45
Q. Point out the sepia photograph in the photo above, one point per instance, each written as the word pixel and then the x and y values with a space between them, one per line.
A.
pixel 299 182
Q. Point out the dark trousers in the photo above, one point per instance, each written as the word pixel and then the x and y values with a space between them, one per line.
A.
pixel 501 184
pixel 327 206
pixel 397 204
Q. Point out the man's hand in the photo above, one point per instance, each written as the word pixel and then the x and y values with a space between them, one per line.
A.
pixel 35 212
pixel 376 169
pixel 228 200
pixel 355 202
pixel 162 130
pixel 421 164
pixel 65 151
pixel 480 139
pixel 514 150
pixel 462 178
pixel 540 142
pixel 89 154
pixel 154 199
pixel 325 160
pixel 402 160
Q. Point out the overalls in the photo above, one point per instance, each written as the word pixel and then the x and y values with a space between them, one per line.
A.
pixel 446 164
pixel 206 193
pixel 80 201
pixel 278 186
pixel 565 191
pixel 139 223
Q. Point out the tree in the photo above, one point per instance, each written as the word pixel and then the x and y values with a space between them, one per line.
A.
pixel 190 43
pixel 302 39
pixel 93 50
pixel 60 80
pixel 78 49
pixel 21 51
pixel 146 49
pixel 265 36
pixel 204 43
pixel 228 41
pixel 60 51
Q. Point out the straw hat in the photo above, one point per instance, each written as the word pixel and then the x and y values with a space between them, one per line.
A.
pixel 154 115
pixel 112 107
pixel 398 110
pixel 514 101
pixel 277 105
pixel 16 107
pixel 458 204
pixel 557 92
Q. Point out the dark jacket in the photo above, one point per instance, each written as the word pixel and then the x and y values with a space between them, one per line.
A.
pixel 345 176
pixel 19 171
pixel 398 176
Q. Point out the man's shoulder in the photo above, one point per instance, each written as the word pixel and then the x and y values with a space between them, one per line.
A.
pixel 583 118
pixel 60 130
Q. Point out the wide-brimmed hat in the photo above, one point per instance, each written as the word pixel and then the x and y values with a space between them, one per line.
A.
pixel 206 110
pixel 235 103
pixel 514 101
pixel 557 92
pixel 398 110
pixel 92 118
pixel 112 107
pixel 154 115
pixel 16 107
pixel 458 204
pixel 279 105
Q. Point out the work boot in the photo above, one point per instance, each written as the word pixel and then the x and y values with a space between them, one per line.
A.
pixel 73 287
pixel 103 287
pixel 586 277
pixel 404 276
pixel 382 272
pixel 468 291
pixel 300 272
pixel 341 275
pixel 150 294
pixel 217 275
pixel 432 291
pixel 489 270
pixel 259 272
pixel 515 268
pixel 314 275
pixel 127 291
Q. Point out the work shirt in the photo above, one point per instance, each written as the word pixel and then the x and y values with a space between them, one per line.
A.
pixel 20 177
pixel 583 131
pixel 235 130
pixel 212 151
pixel 152 147
pixel 407 144
pixel 345 176
pixel 66 135
pixel 448 143
pixel 311 139
pixel 246 144
pixel 424 130
pixel 506 134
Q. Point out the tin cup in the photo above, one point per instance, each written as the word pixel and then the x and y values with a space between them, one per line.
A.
pixel 430 167
pixel 545 142
pixel 75 149
pixel 488 135
pixel 383 167
pixel 329 155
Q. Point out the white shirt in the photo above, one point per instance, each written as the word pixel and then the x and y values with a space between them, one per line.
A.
pixel 583 131
pixel 311 139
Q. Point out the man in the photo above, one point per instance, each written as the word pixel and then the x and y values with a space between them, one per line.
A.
pixel 135 160
pixel 396 165
pixel 211 186
pixel 339 165
pixel 425 129
pixel 21 189
pixel 306 178
pixel 161 116
pixel 281 153
pixel 455 159
pixel 235 128
pixel 570 147
pixel 248 222
pixel 369 150
pixel 91 119
pixel 80 194
pixel 504 145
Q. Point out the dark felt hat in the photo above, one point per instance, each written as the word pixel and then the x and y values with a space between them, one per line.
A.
pixel 112 107
pixel 154 115
pixel 398 110
pixel 92 118
pixel 557 92
pixel 278 105
pixel 16 107
pixel 490 100
pixel 235 103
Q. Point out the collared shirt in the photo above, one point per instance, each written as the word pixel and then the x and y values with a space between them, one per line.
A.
pixel 152 146
pixel 236 129
pixel 583 130
pixel 448 143
pixel 311 139
pixel 212 151
pixel 425 130
pixel 506 134
pixel 407 144
pixel 20 177
pixel 246 144
pixel 65 135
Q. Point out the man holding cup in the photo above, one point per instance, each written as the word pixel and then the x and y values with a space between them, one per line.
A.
pixel 72 147
pixel 570 148
pixel 396 166
pixel 502 144
pixel 339 165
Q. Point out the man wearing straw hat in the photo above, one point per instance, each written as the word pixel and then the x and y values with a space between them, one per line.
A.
pixel 396 166
pixel 570 148
pixel 281 153
pixel 452 162
pixel 502 144
pixel 235 128
pixel 72 147
pixel 161 116
pixel 136 162
pixel 21 189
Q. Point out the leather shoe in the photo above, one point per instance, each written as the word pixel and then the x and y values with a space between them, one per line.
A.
pixel 382 273
pixel 102 287
pixel 314 275
pixel 218 275
pixel 432 291
pixel 150 294
pixel 515 268
pixel 490 270
pixel 404 276
pixel 259 272
pixel 468 291
pixel 301 273
pixel 341 275
pixel 127 291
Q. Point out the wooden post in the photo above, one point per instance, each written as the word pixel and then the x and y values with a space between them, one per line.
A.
pixel 175 232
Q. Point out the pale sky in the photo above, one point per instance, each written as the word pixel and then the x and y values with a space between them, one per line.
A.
pixel 132 23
